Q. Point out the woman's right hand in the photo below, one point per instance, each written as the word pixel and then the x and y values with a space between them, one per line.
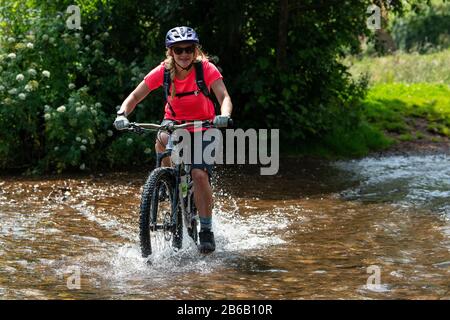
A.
pixel 121 123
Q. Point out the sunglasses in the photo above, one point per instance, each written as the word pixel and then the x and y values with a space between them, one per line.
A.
pixel 188 50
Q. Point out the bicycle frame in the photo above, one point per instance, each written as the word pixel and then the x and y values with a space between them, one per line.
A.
pixel 186 210
pixel 177 194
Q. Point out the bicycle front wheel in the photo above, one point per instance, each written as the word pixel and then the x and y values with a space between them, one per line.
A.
pixel 156 216
pixel 192 223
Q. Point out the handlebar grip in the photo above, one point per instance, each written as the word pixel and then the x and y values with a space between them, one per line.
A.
pixel 221 123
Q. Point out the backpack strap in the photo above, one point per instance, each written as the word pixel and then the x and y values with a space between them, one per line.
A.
pixel 183 94
pixel 200 80
pixel 166 87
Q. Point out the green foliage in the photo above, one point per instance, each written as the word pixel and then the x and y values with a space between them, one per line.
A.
pixel 52 82
pixel 356 142
pixel 73 131
pixel 279 76
pixel 425 31
pixel 409 96
pixel 403 67
pixel 137 148
pixel 388 106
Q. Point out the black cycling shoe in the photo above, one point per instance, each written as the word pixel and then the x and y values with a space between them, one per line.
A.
pixel 207 243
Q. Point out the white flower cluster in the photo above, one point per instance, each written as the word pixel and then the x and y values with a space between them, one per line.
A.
pixel 61 109
pixel 32 72
pixel 83 108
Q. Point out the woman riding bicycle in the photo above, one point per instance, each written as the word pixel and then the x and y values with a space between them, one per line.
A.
pixel 185 102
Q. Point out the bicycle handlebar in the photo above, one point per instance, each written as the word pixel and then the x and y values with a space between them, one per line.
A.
pixel 139 127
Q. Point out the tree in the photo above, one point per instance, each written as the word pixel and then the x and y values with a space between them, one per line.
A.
pixel 280 61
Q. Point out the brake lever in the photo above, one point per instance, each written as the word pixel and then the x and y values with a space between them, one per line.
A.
pixel 135 128
pixel 170 127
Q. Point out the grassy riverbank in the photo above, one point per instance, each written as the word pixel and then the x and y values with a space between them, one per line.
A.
pixel 410 110
pixel 408 103
pixel 403 68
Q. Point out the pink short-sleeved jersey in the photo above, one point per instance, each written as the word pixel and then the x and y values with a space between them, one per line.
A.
pixel 190 107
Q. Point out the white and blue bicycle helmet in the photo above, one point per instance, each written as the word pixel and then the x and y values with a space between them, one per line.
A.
pixel 181 34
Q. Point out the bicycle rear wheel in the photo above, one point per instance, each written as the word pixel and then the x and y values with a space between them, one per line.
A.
pixel 156 223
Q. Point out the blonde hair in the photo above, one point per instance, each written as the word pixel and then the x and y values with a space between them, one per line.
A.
pixel 169 63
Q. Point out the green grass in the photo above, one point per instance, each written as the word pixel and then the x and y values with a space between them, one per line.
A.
pixel 357 142
pixel 403 68
pixel 420 136
pixel 405 137
pixel 408 99
pixel 392 107
pixel 404 87
pixel 343 143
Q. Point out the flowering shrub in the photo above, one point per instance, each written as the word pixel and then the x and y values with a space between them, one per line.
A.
pixel 56 101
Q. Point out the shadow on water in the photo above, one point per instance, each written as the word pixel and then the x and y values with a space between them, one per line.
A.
pixel 297 177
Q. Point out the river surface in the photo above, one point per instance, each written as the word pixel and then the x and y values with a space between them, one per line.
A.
pixel 375 228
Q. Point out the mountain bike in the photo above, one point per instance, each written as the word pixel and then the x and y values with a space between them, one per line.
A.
pixel 167 200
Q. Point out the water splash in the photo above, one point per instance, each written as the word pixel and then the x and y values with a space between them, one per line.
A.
pixel 233 234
